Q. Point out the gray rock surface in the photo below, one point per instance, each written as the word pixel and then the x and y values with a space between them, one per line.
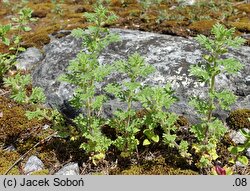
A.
pixel 33 164
pixel 186 2
pixel 29 58
pixel 248 152
pixel 237 137
pixel 171 56
pixel 10 148
pixel 69 169
pixel 239 164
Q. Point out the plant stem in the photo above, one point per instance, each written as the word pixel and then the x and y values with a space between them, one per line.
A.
pixel 211 98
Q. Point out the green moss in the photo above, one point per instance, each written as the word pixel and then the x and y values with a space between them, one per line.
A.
pixel 41 172
pixel 41 7
pixel 7 159
pixel 16 129
pixel 13 123
pixel 173 23
pixel 75 15
pixel 41 36
pixel 133 170
pixel 202 27
pixel 156 167
pixel 239 119
pixel 243 26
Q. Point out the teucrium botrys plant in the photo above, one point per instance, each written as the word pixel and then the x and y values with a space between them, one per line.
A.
pixel 210 130
pixel 7 60
pixel 19 84
pixel 157 101
pixel 22 93
pixel 125 121
pixel 84 72
pixel 21 25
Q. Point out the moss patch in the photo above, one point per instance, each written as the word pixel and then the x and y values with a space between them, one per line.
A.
pixel 239 119
pixel 242 26
pixel 13 122
pixel 7 159
pixel 40 37
pixel 154 167
pixel 202 27
pixel 16 129
pixel 41 172
pixel 244 7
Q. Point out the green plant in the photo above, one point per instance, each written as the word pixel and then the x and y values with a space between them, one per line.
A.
pixel 6 3
pixel 6 59
pixel 21 25
pixel 157 101
pixel 84 72
pixel 57 8
pixel 19 85
pixel 125 121
pixel 210 130
pixel 19 93
pixel 103 1
pixel 4 29
pixel 163 15
pixel 145 4
pixel 237 150
pixel 14 6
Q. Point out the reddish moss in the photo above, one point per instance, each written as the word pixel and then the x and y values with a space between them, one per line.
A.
pixel 116 3
pixel 39 14
pixel 244 7
pixel 3 12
